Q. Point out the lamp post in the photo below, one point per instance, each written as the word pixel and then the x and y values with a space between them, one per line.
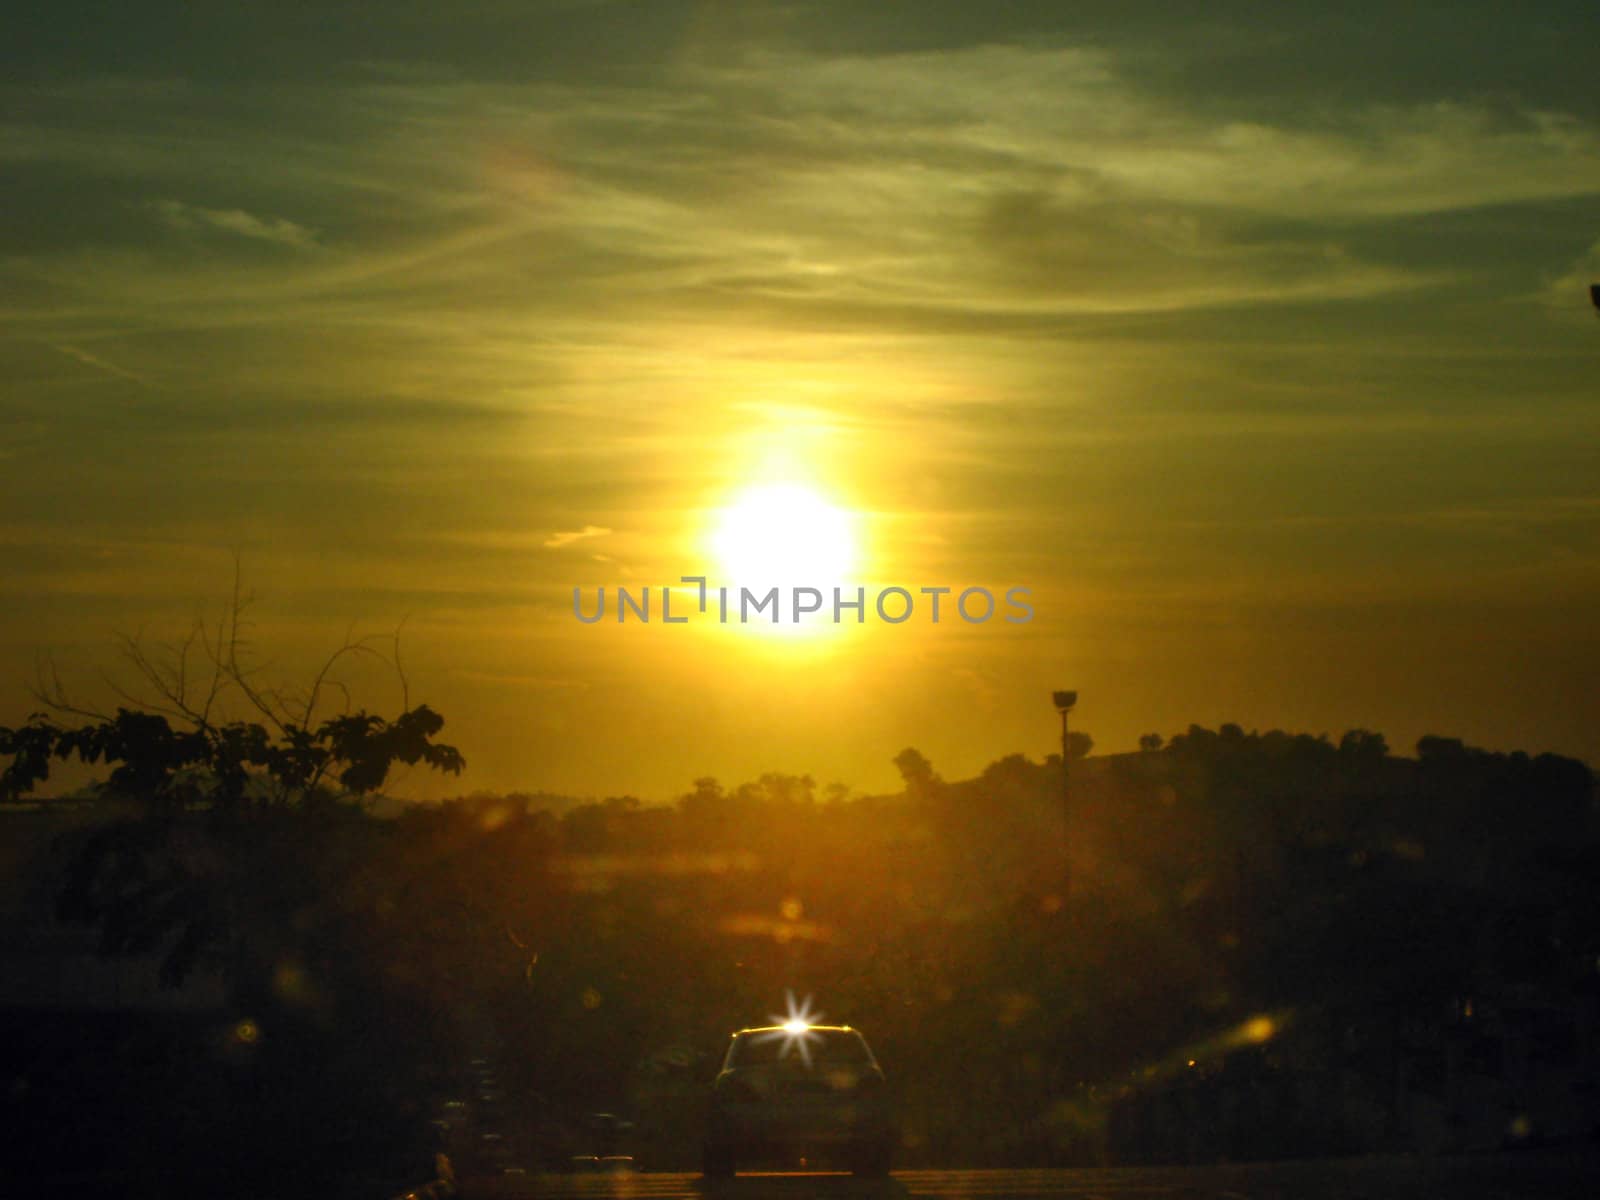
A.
pixel 1064 702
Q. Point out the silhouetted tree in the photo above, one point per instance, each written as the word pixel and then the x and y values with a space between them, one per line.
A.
pixel 243 846
pixel 915 770
pixel 708 810
pixel 1363 744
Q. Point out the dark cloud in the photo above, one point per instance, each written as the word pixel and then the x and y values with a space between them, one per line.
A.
pixel 1274 60
pixel 315 39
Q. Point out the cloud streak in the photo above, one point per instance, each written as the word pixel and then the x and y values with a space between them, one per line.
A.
pixel 237 222
pixel 566 538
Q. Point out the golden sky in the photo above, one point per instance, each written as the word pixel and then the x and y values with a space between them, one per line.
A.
pixel 1255 345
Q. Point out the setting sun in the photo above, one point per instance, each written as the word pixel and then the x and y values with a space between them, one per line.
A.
pixel 784 535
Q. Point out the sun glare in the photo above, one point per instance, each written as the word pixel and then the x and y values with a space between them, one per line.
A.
pixel 783 535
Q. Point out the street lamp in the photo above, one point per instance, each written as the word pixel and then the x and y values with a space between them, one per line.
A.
pixel 1064 702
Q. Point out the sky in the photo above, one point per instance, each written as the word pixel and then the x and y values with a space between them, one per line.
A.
pixel 1253 341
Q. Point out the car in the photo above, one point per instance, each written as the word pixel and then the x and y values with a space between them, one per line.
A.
pixel 798 1091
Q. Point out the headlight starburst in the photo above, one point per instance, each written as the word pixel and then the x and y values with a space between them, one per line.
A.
pixel 795 1028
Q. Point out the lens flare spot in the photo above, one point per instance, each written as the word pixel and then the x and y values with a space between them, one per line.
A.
pixel 1259 1029
pixel 289 981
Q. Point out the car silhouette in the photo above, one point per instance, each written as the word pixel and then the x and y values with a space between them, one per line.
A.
pixel 796 1092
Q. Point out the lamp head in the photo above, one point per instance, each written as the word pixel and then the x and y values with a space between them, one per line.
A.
pixel 1065 700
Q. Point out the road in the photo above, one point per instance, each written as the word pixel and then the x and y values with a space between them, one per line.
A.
pixel 1544 1176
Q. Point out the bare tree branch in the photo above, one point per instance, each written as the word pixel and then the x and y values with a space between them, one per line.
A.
pixel 169 679
pixel 399 668
pixel 47 688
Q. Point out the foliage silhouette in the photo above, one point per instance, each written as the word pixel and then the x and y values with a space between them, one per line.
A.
pixel 243 850
pixel 230 786
pixel 1345 899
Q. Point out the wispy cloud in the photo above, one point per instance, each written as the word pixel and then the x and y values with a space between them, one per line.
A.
pixel 565 538
pixel 236 221
pixel 97 362
pixel 1568 292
